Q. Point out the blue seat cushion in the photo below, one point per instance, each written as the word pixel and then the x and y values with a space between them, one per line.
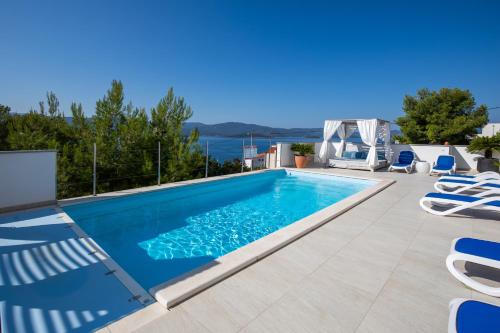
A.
pixel 444 162
pixel 406 157
pixel 361 155
pixel 442 167
pixel 474 316
pixel 478 247
pixel 461 176
pixel 349 154
pixel 460 198
pixel 467 182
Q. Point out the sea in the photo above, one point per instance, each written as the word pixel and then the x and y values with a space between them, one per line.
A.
pixel 227 148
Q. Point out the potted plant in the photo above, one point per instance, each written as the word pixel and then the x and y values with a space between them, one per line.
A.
pixel 486 144
pixel 302 152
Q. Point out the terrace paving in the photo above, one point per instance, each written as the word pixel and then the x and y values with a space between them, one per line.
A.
pixel 50 281
pixel 380 267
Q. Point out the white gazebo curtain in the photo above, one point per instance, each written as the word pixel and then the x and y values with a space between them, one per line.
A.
pixel 344 131
pixel 387 141
pixel 329 130
pixel 368 132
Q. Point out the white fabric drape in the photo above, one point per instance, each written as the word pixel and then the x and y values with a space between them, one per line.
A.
pixel 368 132
pixel 344 131
pixel 387 141
pixel 328 131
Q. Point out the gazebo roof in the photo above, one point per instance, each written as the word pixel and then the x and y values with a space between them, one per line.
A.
pixel 354 121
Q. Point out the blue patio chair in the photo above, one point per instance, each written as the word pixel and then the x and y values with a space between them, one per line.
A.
pixel 469 316
pixel 445 164
pixel 477 251
pixel 458 202
pixel 406 161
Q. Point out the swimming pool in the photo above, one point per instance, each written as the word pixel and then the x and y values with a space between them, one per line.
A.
pixel 159 235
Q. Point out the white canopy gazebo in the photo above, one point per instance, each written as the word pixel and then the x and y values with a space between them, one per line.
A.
pixel 371 131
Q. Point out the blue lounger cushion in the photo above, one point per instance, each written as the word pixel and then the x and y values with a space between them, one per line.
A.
pixel 478 247
pixel 405 158
pixel 466 182
pixel 460 198
pixel 474 316
pixel 349 154
pixel 444 162
pixel 461 176
pixel 442 167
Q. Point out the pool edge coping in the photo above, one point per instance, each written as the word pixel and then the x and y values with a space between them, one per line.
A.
pixel 137 291
pixel 181 288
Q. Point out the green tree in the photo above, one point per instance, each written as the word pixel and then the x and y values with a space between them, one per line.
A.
pixel 447 115
pixel 181 154
pixel 126 141
pixel 4 120
pixel 75 160
pixel 36 130
pixel 119 130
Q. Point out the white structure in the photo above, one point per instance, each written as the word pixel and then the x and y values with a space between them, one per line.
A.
pixel 372 131
pixel 27 178
pixel 249 151
pixel 490 129
pixel 256 162
pixel 424 153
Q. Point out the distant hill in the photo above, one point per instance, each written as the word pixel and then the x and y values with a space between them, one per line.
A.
pixel 235 129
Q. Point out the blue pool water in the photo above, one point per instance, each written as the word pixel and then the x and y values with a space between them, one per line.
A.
pixel 159 235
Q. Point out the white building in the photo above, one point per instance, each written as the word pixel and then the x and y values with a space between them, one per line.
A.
pixel 490 129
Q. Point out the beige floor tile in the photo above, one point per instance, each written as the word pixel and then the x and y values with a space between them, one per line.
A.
pixel 138 318
pixel 357 273
pixel 175 321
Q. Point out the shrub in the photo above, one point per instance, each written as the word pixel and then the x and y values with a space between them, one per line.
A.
pixel 486 144
pixel 302 149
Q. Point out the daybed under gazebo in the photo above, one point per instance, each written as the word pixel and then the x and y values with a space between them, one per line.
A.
pixel 375 134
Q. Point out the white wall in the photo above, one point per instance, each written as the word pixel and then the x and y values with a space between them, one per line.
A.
pixel 284 155
pixel 429 153
pixel 27 178
pixel 490 129
pixel 464 159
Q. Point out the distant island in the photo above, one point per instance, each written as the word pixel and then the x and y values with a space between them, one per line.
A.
pixel 238 130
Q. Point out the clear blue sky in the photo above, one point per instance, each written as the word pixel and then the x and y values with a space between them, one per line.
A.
pixel 278 63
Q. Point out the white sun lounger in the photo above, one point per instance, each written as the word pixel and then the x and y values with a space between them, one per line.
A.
pixel 457 202
pixel 476 177
pixel 469 316
pixel 478 251
pixel 456 186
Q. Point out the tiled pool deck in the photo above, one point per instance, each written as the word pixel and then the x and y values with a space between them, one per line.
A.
pixel 377 268
pixel 51 280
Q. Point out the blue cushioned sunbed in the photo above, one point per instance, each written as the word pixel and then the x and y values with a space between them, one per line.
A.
pixel 478 247
pixel 478 251
pixel 467 182
pixel 469 316
pixel 461 198
pixel 458 202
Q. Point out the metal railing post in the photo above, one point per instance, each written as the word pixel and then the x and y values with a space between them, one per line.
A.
pixel 206 161
pixel 159 163
pixel 242 154
pixel 95 171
